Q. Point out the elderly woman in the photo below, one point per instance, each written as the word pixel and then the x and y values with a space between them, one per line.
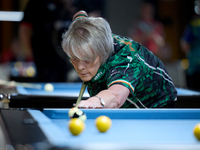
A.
pixel 119 72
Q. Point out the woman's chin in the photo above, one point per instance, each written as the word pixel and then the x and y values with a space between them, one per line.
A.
pixel 85 79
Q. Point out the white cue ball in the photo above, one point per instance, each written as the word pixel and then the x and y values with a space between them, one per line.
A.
pixel 48 87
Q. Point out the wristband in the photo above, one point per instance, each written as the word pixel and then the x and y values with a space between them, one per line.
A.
pixel 79 16
pixel 101 100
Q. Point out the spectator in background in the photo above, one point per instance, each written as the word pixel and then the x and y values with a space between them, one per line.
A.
pixel 40 36
pixel 41 31
pixel 190 44
pixel 147 31
pixel 12 53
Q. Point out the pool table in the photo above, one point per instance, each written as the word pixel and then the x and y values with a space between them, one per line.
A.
pixel 143 129
pixel 65 95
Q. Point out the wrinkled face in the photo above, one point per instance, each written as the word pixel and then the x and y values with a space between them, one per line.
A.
pixel 86 69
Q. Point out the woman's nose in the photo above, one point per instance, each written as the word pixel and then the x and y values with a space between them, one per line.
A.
pixel 81 65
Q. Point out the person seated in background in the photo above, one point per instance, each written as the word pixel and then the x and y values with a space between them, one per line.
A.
pixel 148 31
pixel 190 44
pixel 119 72
pixel 40 35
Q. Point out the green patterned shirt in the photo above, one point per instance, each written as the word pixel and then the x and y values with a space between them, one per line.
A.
pixel 135 67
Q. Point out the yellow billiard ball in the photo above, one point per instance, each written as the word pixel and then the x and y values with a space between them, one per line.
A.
pixel 76 126
pixel 103 123
pixel 48 87
pixel 197 131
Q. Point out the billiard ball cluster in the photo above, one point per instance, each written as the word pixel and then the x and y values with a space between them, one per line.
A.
pixel 77 117
pixel 23 69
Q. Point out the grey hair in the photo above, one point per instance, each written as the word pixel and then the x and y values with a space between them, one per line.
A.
pixel 87 38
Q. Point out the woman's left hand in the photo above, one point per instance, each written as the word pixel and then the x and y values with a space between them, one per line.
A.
pixel 91 103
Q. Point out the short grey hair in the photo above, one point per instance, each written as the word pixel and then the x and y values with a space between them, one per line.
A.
pixel 87 38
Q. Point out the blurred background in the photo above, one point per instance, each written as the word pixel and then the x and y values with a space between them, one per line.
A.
pixel 16 63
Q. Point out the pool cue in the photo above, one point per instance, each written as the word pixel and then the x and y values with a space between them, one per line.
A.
pixel 29 85
pixel 26 85
pixel 80 94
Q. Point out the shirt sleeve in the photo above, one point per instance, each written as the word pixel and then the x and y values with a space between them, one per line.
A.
pixel 128 72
